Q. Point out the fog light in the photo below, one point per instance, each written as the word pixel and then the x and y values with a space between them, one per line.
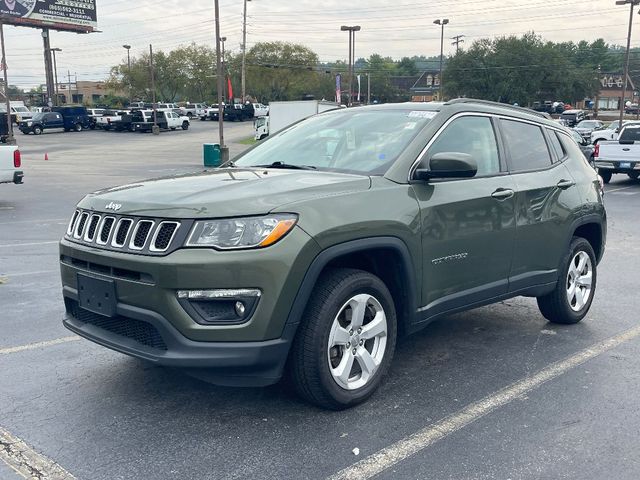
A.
pixel 220 306
pixel 240 308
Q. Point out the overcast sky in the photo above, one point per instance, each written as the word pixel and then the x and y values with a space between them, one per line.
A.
pixel 396 29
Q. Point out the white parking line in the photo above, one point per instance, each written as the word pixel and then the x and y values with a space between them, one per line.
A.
pixel 33 346
pixel 47 220
pixel 403 449
pixel 27 462
pixel 13 245
pixel 25 274
pixel 618 189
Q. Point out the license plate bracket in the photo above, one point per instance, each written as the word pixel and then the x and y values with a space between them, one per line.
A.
pixel 625 164
pixel 97 295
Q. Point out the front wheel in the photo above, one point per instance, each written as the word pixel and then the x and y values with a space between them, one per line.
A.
pixel 37 130
pixel 185 125
pixel 77 127
pixel 571 299
pixel 347 339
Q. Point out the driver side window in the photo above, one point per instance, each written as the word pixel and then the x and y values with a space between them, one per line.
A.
pixel 474 136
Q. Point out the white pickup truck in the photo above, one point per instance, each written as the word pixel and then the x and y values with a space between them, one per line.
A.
pixel 10 163
pixel 620 156
pixel 110 116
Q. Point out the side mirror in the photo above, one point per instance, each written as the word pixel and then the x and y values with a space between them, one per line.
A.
pixel 617 130
pixel 448 165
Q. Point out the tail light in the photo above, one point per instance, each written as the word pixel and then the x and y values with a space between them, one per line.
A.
pixel 596 150
pixel 17 159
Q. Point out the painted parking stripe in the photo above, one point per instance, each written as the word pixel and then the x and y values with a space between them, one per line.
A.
pixel 26 274
pixel 13 245
pixel 34 346
pixel 403 449
pixel 617 189
pixel 26 461
pixel 48 220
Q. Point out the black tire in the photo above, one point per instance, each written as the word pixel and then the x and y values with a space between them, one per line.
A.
pixel 606 175
pixel 37 130
pixel 173 128
pixel 185 125
pixel 77 127
pixel 309 366
pixel 556 306
pixel 634 175
pixel 106 128
pixel 190 115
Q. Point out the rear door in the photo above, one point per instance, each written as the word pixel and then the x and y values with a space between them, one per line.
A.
pixel 468 225
pixel 545 194
pixel 53 120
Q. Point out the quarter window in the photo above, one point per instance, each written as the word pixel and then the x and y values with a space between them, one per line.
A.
pixel 473 136
pixel 526 145
pixel 556 145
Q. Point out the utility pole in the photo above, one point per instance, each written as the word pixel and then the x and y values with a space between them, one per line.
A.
pixel 69 97
pixel 352 40
pixel 11 140
pixel 128 48
pixel 224 150
pixel 224 70
pixel 442 23
pixel 457 40
pixel 155 129
pixel 244 49
pixel 368 88
pixel 47 65
pixel 631 3
pixel 55 73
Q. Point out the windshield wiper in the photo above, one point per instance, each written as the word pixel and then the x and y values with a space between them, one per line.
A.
pixel 287 165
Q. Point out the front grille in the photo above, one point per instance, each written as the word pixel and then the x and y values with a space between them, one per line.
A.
pixel 141 332
pixel 139 235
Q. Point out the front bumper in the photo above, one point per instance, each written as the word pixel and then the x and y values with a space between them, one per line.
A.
pixel 147 335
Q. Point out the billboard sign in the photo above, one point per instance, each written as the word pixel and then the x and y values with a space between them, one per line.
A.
pixel 73 15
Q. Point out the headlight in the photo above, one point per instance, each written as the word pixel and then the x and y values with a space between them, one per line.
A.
pixel 29 123
pixel 237 233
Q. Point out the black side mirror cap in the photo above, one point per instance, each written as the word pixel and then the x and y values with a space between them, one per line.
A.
pixel 448 165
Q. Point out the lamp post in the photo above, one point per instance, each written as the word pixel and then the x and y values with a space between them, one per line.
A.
pixel 224 150
pixel 442 23
pixel 10 138
pixel 55 73
pixel 631 3
pixel 352 50
pixel 244 49
pixel 128 48
pixel 224 70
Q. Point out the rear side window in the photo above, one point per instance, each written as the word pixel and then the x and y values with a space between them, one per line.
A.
pixel 630 134
pixel 556 145
pixel 526 145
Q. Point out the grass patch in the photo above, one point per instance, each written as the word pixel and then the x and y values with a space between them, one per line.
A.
pixel 248 141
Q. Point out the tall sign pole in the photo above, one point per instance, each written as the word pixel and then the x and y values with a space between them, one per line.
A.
pixel 224 150
pixel 631 3
pixel 47 65
pixel 244 50
pixel 155 128
pixel 10 138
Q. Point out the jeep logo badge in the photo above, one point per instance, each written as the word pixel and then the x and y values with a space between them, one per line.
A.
pixel 113 206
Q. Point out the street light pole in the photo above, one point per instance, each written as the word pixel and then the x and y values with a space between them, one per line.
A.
pixel 224 150
pixel 352 48
pixel 55 73
pixel 244 50
pixel 128 48
pixel 442 23
pixel 10 138
pixel 224 70
pixel 631 4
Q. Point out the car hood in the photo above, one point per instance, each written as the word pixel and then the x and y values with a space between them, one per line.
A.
pixel 222 193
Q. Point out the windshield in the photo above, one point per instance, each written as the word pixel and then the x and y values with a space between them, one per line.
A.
pixel 356 140
pixel 588 124
pixel 21 109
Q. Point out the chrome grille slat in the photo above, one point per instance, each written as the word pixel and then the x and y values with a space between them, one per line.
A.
pixel 124 233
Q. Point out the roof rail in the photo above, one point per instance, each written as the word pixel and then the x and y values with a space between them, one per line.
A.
pixel 496 104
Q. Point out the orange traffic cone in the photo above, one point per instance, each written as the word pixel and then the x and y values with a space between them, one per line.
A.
pixel 46 156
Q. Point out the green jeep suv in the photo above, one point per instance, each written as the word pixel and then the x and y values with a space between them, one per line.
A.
pixel 312 251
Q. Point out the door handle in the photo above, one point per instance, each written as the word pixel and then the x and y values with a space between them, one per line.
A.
pixel 503 193
pixel 564 184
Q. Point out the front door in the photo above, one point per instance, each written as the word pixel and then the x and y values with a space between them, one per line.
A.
pixel 468 225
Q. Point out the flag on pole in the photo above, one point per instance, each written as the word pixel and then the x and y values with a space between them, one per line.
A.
pixel 338 92
pixel 230 89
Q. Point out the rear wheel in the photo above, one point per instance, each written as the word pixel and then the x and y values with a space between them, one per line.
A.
pixel 77 127
pixel 173 128
pixel 346 342
pixel 571 299
pixel 634 175
pixel 185 125
pixel 606 175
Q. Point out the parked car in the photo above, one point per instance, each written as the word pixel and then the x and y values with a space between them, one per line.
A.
pixel 315 249
pixel 94 113
pixel 238 112
pixel 164 120
pixel 587 127
pixel 110 119
pixel 585 145
pixel 75 117
pixel 621 156
pixel 632 109
pixel 571 118
pixel 10 164
pixel 192 110
pixel 43 121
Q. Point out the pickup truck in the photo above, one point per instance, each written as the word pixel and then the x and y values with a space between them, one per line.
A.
pixel 165 120
pixel 110 117
pixel 621 156
pixel 192 110
pixel 10 163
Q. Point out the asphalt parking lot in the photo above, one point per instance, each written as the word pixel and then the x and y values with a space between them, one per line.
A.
pixel 496 392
